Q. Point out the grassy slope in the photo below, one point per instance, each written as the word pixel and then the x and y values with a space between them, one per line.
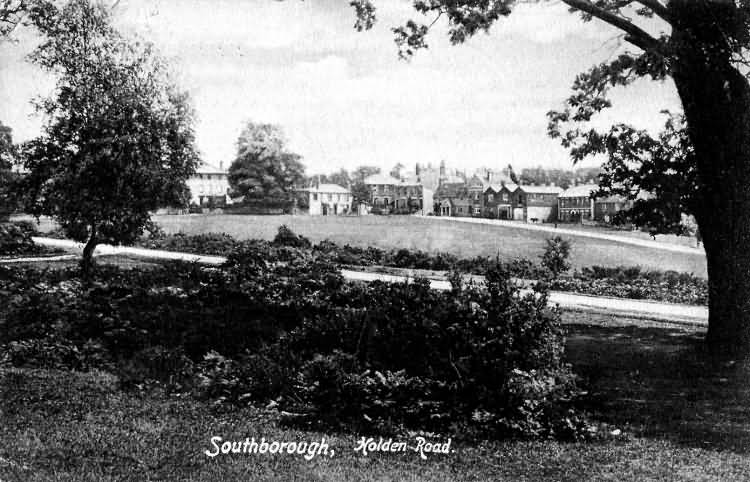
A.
pixel 678 424
pixel 462 239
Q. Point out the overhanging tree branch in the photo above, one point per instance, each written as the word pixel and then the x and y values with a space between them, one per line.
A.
pixel 635 35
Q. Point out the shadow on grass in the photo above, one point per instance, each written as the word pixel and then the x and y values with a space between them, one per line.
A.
pixel 655 383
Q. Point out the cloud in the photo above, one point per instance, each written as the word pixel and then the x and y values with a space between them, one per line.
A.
pixel 344 99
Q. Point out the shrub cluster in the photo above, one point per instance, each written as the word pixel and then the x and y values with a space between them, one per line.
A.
pixel 210 243
pixel 278 323
pixel 635 283
pixel 15 240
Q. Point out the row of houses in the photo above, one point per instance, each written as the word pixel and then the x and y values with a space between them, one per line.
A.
pixel 501 198
pixel 485 194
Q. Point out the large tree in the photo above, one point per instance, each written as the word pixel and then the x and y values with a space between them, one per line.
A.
pixel 264 171
pixel 701 46
pixel 118 142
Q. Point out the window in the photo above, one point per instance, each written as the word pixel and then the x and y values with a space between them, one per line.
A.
pixel 490 197
pixel 315 196
pixel 505 196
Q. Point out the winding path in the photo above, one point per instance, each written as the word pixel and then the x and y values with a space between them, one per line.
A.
pixel 651 310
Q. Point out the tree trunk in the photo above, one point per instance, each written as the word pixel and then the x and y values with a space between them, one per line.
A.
pixel 87 261
pixel 716 102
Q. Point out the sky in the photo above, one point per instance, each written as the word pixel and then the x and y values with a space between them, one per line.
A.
pixel 344 99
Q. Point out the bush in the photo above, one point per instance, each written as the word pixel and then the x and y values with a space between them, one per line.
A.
pixel 286 237
pixel 404 355
pixel 555 257
pixel 15 238
pixel 209 243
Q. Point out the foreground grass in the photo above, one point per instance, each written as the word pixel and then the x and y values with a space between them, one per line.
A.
pixel 677 424
pixel 461 239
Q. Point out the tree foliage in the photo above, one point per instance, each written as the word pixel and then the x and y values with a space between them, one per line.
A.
pixel 118 142
pixel 8 157
pixel 22 12
pixel 264 170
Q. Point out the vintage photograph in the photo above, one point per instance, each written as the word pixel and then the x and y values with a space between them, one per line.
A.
pixel 374 240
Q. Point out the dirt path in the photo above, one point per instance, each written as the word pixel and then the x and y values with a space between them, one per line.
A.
pixel 652 310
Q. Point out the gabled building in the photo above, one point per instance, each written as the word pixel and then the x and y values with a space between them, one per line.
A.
pixel 499 201
pixel 475 187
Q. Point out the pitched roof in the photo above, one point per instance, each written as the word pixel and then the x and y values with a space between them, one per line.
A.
pixel 584 190
pixel 327 188
pixel 499 187
pixel 382 179
pixel 542 189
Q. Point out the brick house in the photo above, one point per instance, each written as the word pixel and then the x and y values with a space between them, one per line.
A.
pixel 411 198
pixel 445 196
pixel 499 201
pixel 576 203
pixel 390 195
pixel 536 203
pixel 383 191
pixel 475 189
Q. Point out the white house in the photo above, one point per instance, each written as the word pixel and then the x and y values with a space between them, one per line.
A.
pixel 209 186
pixel 328 199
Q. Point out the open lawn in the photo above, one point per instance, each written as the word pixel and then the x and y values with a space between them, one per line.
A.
pixel 463 239
pixel 677 423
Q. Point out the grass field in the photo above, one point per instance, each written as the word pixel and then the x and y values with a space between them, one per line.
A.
pixel 677 424
pixel 462 239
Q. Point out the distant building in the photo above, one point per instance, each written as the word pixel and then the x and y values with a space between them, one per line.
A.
pixel 447 195
pixel 576 203
pixel 383 190
pixel 209 187
pixel 391 195
pixel 536 203
pixel 500 201
pixel 328 199
pixel 606 208
pixel 475 187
